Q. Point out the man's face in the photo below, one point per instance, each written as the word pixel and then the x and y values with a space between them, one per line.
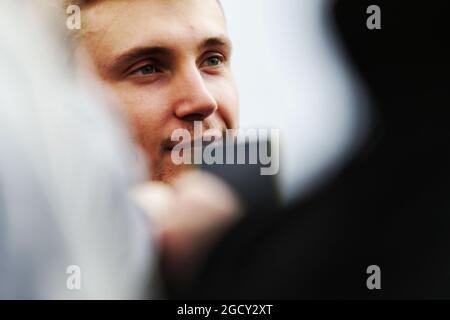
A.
pixel 168 62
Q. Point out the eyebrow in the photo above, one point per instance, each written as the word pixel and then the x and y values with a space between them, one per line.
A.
pixel 139 52
pixel 221 41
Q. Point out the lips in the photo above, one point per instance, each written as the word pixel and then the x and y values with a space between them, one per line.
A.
pixel 203 141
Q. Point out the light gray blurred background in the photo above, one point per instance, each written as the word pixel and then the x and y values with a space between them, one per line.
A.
pixel 292 75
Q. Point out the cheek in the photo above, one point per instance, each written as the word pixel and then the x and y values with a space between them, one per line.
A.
pixel 144 112
pixel 226 94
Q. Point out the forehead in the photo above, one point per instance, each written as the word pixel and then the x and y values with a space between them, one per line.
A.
pixel 119 25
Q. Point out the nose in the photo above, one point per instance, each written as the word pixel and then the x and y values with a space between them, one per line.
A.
pixel 194 102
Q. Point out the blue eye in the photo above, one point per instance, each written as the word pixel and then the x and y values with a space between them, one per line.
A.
pixel 146 70
pixel 213 61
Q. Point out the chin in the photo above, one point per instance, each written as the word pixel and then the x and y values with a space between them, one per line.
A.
pixel 169 174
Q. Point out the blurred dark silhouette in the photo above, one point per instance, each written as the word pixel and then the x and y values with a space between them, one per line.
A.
pixel 390 206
